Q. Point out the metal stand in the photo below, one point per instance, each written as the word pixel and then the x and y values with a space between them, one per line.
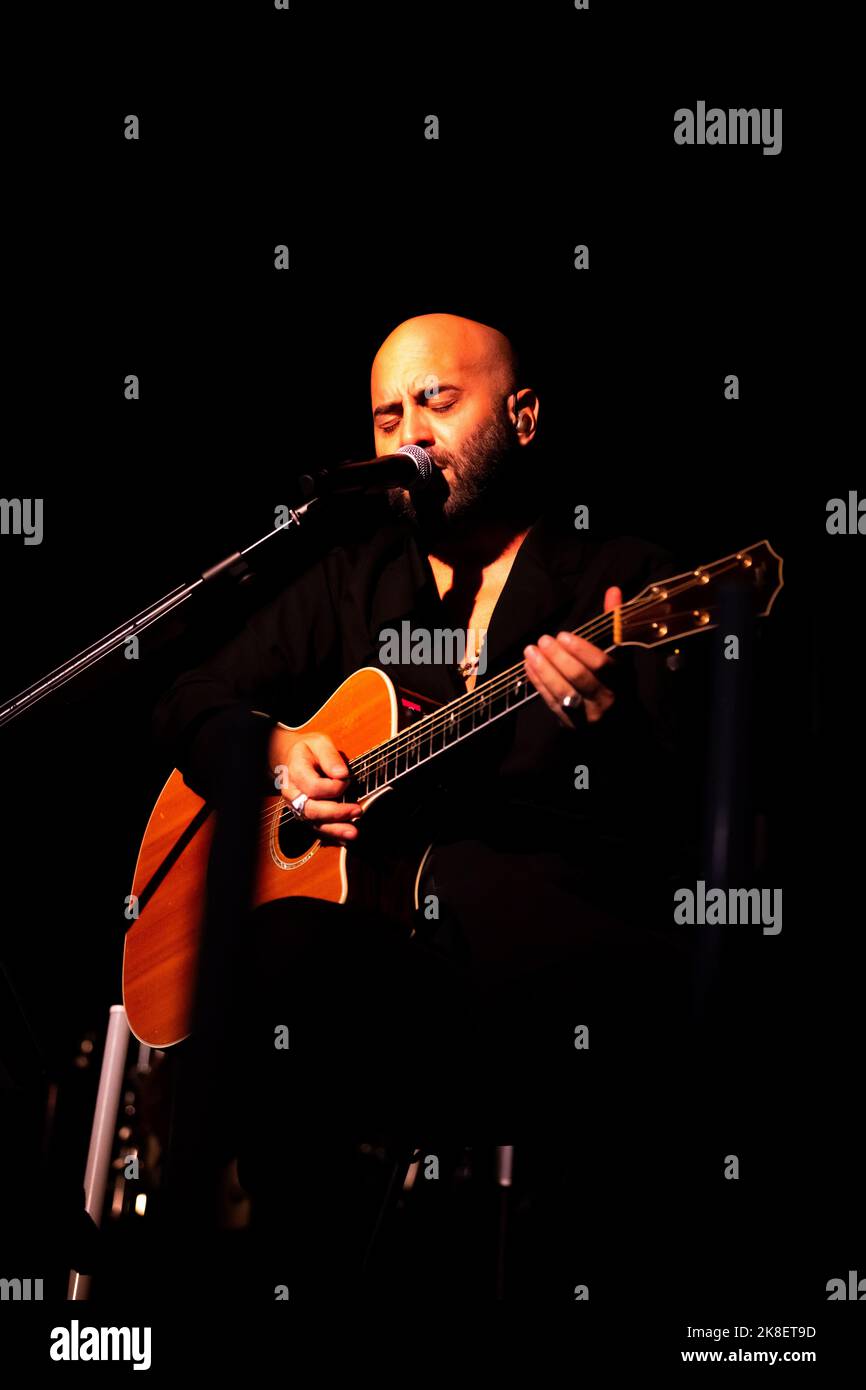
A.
pixel 504 1170
pixel 103 1133
pixel 234 565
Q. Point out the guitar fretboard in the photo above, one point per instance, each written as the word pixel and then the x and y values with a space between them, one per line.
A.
pixel 663 612
pixel 430 736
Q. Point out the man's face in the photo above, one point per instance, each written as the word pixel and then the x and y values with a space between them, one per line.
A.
pixel 445 390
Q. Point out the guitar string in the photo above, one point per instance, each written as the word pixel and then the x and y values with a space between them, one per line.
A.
pixel 489 691
pixel 467 703
pixel 471 700
pixel 484 692
pixel 476 698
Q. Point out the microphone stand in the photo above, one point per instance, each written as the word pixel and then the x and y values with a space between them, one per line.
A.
pixel 230 872
pixel 234 565
pixel 410 465
pixel 225 891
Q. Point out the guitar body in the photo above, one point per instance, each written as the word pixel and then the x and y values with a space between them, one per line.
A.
pixel 161 953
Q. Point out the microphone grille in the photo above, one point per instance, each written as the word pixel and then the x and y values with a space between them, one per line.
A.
pixel 422 459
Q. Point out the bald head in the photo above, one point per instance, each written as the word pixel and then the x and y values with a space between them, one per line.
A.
pixel 444 346
pixel 438 365
pixel 450 385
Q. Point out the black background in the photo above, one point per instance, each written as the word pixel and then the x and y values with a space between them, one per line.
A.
pixel 156 258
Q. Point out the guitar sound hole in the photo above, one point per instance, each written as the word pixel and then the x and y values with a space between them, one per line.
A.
pixel 295 838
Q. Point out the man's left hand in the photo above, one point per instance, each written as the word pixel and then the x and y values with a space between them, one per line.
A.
pixel 569 665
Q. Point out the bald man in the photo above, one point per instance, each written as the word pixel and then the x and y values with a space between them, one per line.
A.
pixel 450 385
pixel 547 890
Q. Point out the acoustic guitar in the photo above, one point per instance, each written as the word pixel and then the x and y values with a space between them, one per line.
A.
pixel 385 738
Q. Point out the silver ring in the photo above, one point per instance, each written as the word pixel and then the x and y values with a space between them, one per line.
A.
pixel 571 701
pixel 298 803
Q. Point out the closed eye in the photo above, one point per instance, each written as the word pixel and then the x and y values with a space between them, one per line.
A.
pixel 437 409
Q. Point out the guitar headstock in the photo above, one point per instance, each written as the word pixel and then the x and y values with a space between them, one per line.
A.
pixel 689 603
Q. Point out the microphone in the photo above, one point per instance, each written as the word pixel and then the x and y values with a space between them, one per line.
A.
pixel 410 467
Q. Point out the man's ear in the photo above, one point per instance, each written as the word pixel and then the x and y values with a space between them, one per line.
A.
pixel 524 407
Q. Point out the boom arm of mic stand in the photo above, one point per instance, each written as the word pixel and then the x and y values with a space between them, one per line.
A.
pixel 234 564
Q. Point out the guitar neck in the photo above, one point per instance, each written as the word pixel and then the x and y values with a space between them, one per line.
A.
pixel 466 715
pixel 665 612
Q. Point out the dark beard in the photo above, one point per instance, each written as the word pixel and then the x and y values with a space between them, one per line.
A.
pixel 487 487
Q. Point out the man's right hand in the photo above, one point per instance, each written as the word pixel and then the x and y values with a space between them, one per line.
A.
pixel 312 763
pixel 309 762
